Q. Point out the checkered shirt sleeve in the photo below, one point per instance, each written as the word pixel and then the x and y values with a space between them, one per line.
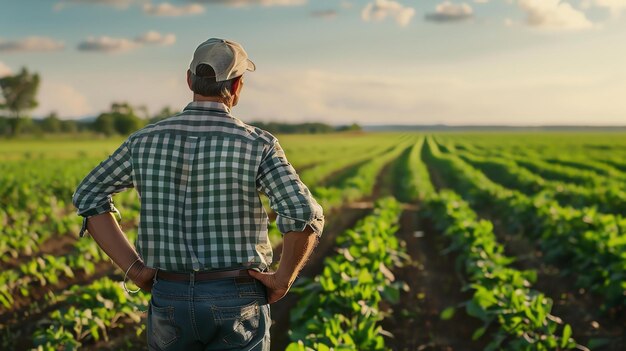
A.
pixel 289 197
pixel 113 175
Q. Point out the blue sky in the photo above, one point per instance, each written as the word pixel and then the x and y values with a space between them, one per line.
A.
pixel 513 62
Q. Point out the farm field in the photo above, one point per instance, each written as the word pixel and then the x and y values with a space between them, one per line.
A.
pixel 449 241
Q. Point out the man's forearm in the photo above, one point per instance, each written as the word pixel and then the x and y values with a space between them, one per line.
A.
pixel 110 237
pixel 297 248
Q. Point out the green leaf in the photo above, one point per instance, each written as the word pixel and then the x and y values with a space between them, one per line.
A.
pixel 567 332
pixel 391 293
pixel 474 310
pixel 448 313
pixel 295 346
pixel 322 347
pixel 478 333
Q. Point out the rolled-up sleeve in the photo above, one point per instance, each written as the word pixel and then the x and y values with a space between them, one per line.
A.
pixel 113 175
pixel 289 197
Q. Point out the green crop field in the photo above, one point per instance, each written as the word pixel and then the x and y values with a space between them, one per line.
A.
pixel 449 241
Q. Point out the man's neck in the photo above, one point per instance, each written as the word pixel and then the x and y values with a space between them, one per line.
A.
pixel 197 97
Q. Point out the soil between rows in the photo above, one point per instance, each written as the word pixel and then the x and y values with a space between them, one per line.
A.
pixel 433 286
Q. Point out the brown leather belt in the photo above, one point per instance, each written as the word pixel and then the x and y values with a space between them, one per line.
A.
pixel 201 276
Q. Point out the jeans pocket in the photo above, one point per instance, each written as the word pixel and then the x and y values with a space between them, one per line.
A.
pixel 163 329
pixel 239 324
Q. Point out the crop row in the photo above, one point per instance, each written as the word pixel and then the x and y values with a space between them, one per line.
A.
pixel 49 269
pixel 89 314
pixel 35 204
pixel 607 198
pixel 339 309
pixel 592 243
pixel 317 174
pixel 501 295
pixel 361 182
pixel 558 168
pixel 303 154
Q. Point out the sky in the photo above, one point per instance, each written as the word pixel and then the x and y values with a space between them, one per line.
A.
pixel 474 62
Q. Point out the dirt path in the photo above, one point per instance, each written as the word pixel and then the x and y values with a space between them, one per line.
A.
pixel 433 286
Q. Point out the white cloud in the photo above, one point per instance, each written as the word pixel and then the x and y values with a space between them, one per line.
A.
pixel 119 4
pixel 449 12
pixel 326 14
pixel 381 9
pixel 167 9
pixel 4 69
pixel 153 37
pixel 62 98
pixel 246 3
pixel 110 45
pixel 554 15
pixel 106 44
pixel 31 44
pixel 615 6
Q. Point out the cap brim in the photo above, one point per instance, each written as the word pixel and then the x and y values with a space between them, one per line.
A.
pixel 251 66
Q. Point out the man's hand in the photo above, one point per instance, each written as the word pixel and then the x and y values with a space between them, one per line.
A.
pixel 297 247
pixel 276 289
pixel 143 276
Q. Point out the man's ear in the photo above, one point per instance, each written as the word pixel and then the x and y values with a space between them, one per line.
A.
pixel 189 79
pixel 235 85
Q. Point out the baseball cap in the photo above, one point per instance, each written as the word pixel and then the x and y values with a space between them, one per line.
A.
pixel 227 58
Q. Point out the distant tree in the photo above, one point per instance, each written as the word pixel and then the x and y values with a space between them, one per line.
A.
pixel 123 108
pixel 69 126
pixel 19 92
pixel 126 124
pixel 351 128
pixel 288 128
pixel 120 120
pixel 28 126
pixel 51 124
pixel 104 124
pixel 5 126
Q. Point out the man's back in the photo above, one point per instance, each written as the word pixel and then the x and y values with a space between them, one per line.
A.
pixel 198 175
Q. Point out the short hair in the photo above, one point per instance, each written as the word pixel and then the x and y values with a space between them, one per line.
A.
pixel 203 83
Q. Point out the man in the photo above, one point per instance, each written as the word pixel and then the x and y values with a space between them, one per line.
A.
pixel 202 246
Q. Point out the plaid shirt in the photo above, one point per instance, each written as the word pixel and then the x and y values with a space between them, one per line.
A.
pixel 199 175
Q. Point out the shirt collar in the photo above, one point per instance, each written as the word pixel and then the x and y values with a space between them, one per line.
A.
pixel 208 106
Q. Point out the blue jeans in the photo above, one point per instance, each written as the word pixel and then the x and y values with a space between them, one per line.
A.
pixel 222 314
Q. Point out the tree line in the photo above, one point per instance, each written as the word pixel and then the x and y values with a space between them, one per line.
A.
pixel 19 95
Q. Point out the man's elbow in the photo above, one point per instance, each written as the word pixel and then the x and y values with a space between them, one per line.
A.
pixel 311 222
